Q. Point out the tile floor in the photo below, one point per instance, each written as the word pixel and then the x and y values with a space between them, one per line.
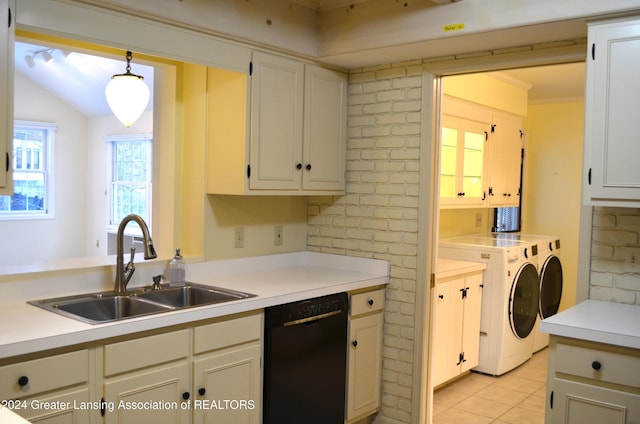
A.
pixel 517 397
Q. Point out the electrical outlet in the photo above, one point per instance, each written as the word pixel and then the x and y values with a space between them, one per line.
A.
pixel 277 235
pixel 239 237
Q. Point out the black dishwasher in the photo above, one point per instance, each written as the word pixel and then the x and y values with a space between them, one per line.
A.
pixel 306 361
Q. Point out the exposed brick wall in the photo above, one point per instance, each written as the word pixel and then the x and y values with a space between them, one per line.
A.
pixel 378 216
pixel 615 255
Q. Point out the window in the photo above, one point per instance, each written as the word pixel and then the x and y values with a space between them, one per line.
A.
pixel 129 177
pixel 32 172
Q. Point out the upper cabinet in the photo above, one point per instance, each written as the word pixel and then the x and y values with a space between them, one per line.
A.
pixel 280 130
pixel 612 127
pixel 7 30
pixel 480 156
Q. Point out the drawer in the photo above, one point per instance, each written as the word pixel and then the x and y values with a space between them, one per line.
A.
pixel 145 352
pixel 227 332
pixel 363 303
pixel 596 364
pixel 44 374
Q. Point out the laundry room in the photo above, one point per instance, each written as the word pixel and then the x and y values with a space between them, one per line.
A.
pixel 510 183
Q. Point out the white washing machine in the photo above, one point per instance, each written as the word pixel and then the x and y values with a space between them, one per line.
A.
pixel 550 272
pixel 510 298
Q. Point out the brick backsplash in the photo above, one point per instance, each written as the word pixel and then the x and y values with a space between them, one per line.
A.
pixel 378 215
pixel 615 255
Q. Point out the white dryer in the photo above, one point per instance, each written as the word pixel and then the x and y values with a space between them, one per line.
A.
pixel 550 272
pixel 510 298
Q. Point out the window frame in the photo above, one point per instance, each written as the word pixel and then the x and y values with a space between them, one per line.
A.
pixel 110 140
pixel 49 172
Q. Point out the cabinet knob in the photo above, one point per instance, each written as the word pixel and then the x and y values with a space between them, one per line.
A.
pixel 308 167
pixel 354 343
pixel 596 365
pixel 202 391
pixel 370 302
pixel 186 395
pixel 441 296
pixel 23 381
pixel 298 166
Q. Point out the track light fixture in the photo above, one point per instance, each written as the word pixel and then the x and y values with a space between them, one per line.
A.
pixel 45 54
pixel 127 95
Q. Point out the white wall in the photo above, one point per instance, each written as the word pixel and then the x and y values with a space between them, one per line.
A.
pixel 63 235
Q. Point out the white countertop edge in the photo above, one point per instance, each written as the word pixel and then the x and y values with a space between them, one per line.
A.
pixel 451 267
pixel 283 278
pixel 597 321
pixel 7 416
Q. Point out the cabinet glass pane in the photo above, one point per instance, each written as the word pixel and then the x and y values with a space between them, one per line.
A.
pixel 473 164
pixel 448 161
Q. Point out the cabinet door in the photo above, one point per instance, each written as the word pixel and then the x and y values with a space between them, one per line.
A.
pixel 7 14
pixel 578 403
pixel 69 408
pixel 471 321
pixel 325 114
pixel 462 162
pixel 276 122
pixel 365 366
pixel 227 386
pixel 612 104
pixel 149 397
pixel 504 153
pixel 441 332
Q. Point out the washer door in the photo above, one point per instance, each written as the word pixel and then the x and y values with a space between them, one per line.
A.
pixel 550 286
pixel 523 301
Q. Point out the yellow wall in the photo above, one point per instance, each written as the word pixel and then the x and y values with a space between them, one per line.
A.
pixel 552 181
pixel 489 91
pixel 459 222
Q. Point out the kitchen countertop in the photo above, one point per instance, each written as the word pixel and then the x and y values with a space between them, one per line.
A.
pixel 275 279
pixel 9 417
pixel 597 321
pixel 452 267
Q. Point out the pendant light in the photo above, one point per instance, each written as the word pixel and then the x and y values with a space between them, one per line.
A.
pixel 127 95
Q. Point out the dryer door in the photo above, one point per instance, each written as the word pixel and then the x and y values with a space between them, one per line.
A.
pixel 523 300
pixel 550 286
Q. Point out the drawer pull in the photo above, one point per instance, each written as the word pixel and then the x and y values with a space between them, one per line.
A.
pixel 202 391
pixel 370 302
pixel 23 381
pixel 354 343
pixel 186 395
pixel 596 365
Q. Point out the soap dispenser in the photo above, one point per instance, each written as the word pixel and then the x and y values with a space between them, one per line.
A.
pixel 176 269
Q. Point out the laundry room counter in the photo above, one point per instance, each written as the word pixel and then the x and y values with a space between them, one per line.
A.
pixel 597 321
pixel 451 267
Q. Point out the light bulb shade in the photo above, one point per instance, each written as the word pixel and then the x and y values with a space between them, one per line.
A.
pixel 127 96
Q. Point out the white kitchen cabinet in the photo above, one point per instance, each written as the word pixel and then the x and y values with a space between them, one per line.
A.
pixel 147 379
pixel 592 382
pixel 61 378
pixel 612 174
pixel 504 160
pixel 227 372
pixel 456 319
pixel 282 130
pixel 480 156
pixel 364 368
pixel 7 36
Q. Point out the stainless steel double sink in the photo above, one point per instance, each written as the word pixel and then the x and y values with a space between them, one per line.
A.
pixel 96 308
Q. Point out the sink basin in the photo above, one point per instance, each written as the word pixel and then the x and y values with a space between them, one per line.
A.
pixel 95 308
pixel 190 295
pixel 101 307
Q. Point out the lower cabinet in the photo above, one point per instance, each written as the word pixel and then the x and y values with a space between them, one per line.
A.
pixel 207 372
pixel 592 383
pixel 365 354
pixel 457 305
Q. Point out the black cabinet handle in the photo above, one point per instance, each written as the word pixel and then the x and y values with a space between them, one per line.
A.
pixel 354 343
pixel 103 407
pixel 186 395
pixel 202 391
pixel 308 167
pixel 596 365
pixel 370 302
pixel 23 381
pixel 441 296
pixel 298 166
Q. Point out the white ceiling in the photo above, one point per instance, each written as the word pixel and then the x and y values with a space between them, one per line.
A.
pixel 78 79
